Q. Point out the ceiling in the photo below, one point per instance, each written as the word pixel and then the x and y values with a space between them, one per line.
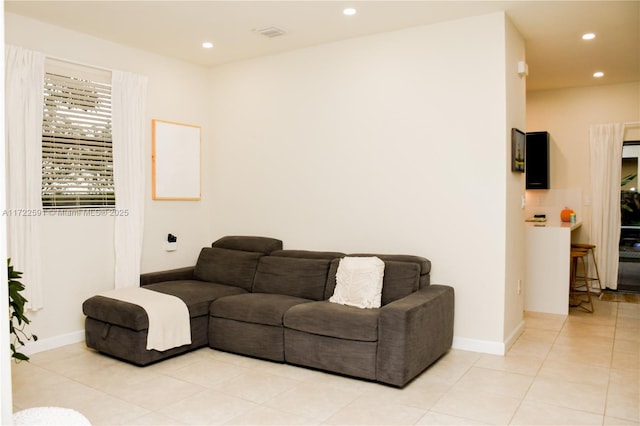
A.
pixel 556 55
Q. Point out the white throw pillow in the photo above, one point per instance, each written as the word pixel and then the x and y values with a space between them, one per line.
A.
pixel 359 282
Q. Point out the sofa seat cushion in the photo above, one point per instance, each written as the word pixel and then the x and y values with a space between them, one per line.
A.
pixel 197 295
pixel 333 320
pixel 256 308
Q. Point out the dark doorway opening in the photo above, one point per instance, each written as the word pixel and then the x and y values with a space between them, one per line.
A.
pixel 629 259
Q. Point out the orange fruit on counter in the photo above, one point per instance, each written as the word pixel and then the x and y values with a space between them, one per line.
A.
pixel 565 214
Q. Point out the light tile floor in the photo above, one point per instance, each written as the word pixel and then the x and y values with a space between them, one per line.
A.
pixel 583 369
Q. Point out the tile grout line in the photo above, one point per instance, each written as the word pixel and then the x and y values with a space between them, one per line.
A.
pixel 450 386
pixel 557 334
pixel 606 395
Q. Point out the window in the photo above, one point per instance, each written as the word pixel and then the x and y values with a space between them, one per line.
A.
pixel 77 160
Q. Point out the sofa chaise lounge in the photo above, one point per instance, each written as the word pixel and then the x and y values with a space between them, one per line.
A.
pixel 248 296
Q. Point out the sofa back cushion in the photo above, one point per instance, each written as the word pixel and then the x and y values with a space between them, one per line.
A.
pixel 400 279
pixel 308 254
pixel 224 266
pixel 263 245
pixel 292 276
pixel 422 262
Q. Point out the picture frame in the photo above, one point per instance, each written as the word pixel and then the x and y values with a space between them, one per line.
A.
pixel 518 140
pixel 176 161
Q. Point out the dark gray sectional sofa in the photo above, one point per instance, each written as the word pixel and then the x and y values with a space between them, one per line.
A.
pixel 248 296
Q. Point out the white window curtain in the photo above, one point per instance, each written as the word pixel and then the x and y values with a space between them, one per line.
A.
pixel 24 85
pixel 128 133
pixel 605 142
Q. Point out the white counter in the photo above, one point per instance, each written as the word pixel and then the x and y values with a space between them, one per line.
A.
pixel 548 266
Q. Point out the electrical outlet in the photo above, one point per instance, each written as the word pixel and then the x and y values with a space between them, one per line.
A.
pixel 519 289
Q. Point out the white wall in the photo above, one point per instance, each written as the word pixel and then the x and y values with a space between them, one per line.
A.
pixel 515 232
pixel 567 114
pixel 391 143
pixel 78 251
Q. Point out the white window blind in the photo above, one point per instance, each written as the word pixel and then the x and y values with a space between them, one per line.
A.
pixel 77 159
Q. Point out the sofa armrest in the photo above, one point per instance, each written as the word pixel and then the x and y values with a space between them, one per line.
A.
pixel 413 332
pixel 169 275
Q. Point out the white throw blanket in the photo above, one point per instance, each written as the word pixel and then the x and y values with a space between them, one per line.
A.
pixel 169 325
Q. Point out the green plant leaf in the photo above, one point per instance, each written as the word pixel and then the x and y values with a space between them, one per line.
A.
pixel 20 356
pixel 17 304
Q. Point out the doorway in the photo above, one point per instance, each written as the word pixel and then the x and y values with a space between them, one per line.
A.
pixel 629 258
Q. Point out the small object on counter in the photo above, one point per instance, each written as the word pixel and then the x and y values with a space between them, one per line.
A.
pixel 572 218
pixel 536 219
pixel 565 214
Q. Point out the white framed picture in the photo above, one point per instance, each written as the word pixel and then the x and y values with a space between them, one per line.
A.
pixel 176 161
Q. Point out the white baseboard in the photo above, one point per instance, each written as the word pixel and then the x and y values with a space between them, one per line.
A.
pixel 513 336
pixel 52 342
pixel 488 346
pixel 475 345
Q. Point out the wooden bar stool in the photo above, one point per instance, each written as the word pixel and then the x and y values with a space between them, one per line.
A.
pixel 591 249
pixel 576 297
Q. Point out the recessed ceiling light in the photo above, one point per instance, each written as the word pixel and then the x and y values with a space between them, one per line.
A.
pixel 349 11
pixel 588 36
pixel 207 45
pixel 598 74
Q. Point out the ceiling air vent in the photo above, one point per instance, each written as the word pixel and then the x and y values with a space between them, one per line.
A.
pixel 270 32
